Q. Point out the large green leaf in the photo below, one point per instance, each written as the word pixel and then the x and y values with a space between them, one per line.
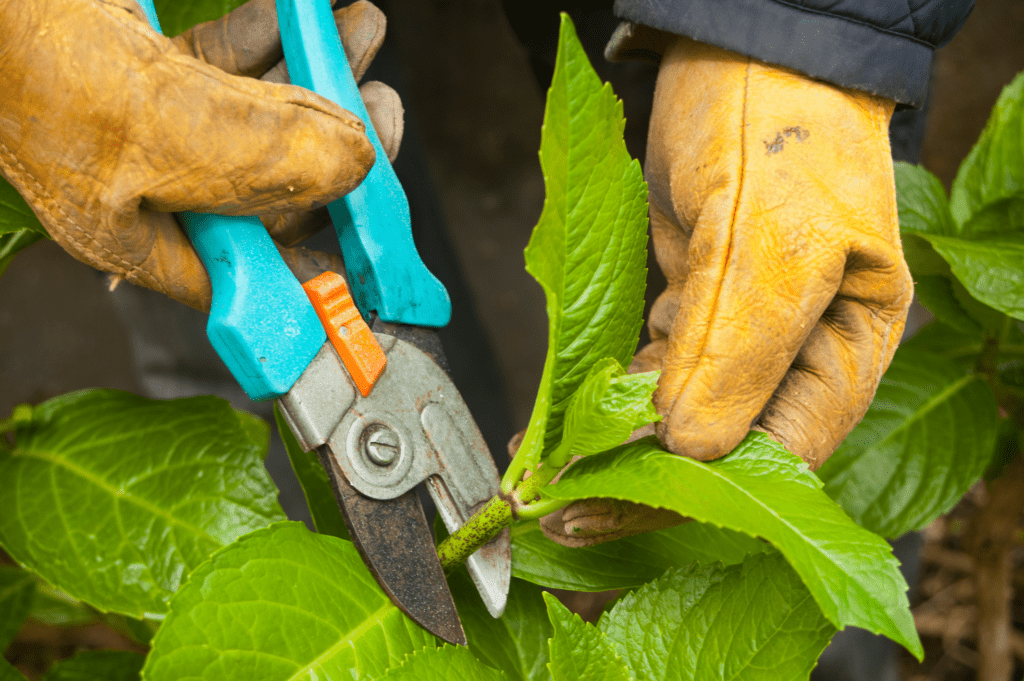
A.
pixel 515 643
pixel 763 490
pixel 177 16
pixel 588 251
pixel 926 438
pixel 98 665
pixel 442 664
pixel 624 563
pixel 750 621
pixel 282 603
pixel 115 498
pixel 579 651
pixel 988 193
pixel 17 587
pixel 316 486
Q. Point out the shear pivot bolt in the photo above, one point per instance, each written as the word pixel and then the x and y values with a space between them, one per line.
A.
pixel 381 444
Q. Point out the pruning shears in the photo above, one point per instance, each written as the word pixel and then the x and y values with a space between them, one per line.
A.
pixel 377 403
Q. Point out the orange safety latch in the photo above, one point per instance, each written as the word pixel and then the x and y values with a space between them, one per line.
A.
pixel 349 334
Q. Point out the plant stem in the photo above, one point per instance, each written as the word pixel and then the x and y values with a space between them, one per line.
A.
pixel 497 514
pixel 990 539
pixel 481 527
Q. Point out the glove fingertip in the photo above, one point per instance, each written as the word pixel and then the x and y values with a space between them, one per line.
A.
pixel 386 113
pixel 362 26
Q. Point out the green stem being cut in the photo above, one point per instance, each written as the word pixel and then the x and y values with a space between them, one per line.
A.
pixel 497 514
pixel 481 527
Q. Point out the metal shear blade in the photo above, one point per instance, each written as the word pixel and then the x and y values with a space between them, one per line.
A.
pixel 394 540
pixel 413 427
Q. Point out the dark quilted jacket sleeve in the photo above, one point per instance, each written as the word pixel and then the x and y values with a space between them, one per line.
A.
pixel 880 46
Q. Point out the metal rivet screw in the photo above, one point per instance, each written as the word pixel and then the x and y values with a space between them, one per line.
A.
pixel 381 444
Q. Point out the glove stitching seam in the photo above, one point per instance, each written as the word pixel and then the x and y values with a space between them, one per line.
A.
pixel 134 26
pixel 39 197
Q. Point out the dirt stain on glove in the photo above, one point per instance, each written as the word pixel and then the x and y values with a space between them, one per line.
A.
pixel 776 145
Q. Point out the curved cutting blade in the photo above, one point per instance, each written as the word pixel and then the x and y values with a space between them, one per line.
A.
pixel 397 545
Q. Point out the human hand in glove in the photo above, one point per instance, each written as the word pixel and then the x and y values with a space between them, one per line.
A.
pixel 773 214
pixel 107 127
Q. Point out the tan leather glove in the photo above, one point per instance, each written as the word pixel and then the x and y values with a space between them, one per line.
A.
pixel 106 127
pixel 773 213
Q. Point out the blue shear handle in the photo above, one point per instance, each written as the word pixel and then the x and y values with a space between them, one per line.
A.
pixel 261 322
pixel 372 222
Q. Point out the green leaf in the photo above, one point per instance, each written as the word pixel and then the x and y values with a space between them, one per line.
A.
pixel 963 348
pixel 923 207
pixel 624 563
pixel 991 320
pixel 98 665
pixel 750 621
pixel 517 642
pixel 8 672
pixel 608 406
pixel 991 268
pixel 764 491
pixel 255 430
pixel 19 226
pixel 442 664
pixel 926 438
pixel 54 607
pixel 921 258
pixel 177 16
pixel 984 246
pixel 316 486
pixel 140 631
pixel 924 213
pixel 588 251
pixel 282 603
pixel 16 590
pixel 936 292
pixel 12 242
pixel 1007 446
pixel 16 215
pixel 988 193
pixel 114 498
pixel 579 651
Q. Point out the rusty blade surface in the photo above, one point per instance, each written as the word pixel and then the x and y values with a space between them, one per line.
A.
pixel 397 546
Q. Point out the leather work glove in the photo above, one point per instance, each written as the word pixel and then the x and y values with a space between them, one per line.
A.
pixel 107 127
pixel 773 214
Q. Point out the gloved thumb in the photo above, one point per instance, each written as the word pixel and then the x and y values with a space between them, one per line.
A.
pixel 595 521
